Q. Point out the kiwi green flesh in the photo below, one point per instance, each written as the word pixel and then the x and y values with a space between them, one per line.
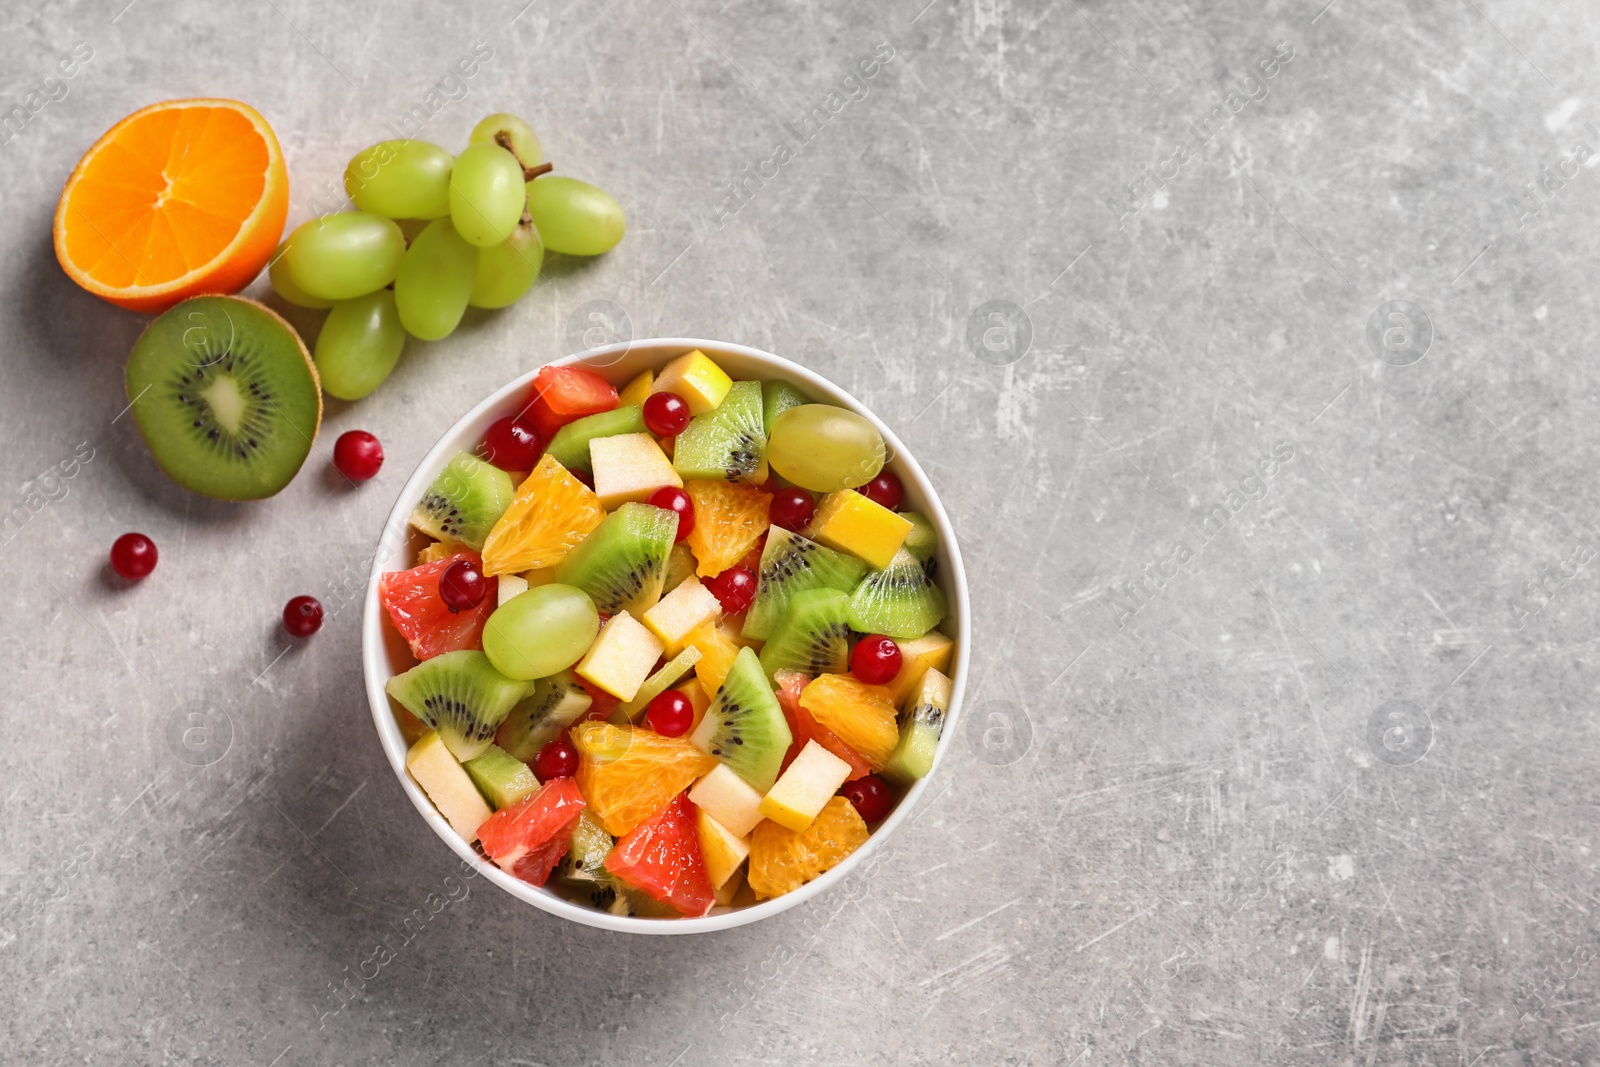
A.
pixel 680 565
pixel 464 501
pixel 555 703
pixel 912 757
pixel 812 637
pixel 778 396
pixel 570 446
pixel 225 396
pixel 900 601
pixel 728 442
pixel 744 727
pixel 461 695
pixel 622 563
pixel 791 564
pixel 586 855
pixel 500 777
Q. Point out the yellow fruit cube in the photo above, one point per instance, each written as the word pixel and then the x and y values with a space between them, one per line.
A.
pixel 725 893
pixel 697 699
pixel 637 390
pixel 448 785
pixel 850 522
pixel 693 376
pixel 717 650
pixel 729 799
pixel 811 780
pixel 622 657
pixel 628 468
pixel 680 611
pixel 931 650
pixel 724 851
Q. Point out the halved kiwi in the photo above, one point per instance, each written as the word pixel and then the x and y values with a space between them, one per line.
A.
pixel 226 397
pixel 744 727
pixel 462 696
pixel 900 601
pixel 729 442
pixel 622 563
pixel 812 637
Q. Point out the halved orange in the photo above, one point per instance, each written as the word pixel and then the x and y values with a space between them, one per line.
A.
pixel 180 198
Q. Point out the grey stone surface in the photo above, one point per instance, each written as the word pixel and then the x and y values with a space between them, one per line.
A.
pixel 1315 787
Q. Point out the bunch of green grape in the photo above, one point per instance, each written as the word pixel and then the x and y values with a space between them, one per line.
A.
pixel 432 235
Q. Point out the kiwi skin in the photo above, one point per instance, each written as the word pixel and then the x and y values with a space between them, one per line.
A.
pixel 205 482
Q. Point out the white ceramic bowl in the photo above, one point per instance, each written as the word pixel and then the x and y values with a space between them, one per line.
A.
pixel 384 652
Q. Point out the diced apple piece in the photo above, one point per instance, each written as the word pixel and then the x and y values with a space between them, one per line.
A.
pixel 628 468
pixel 729 799
pixel 851 523
pixel 509 586
pixel 701 383
pixel 622 656
pixel 931 651
pixel 448 785
pixel 680 611
pixel 800 792
pixel 723 850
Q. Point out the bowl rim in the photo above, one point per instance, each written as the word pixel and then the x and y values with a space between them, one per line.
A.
pixel 376 670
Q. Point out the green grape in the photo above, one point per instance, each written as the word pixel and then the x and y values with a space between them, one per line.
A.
pixel 359 345
pixel 401 180
pixel 539 632
pixel 574 218
pixel 511 133
pixel 285 287
pixel 506 271
pixel 350 254
pixel 824 448
pixel 435 280
pixel 486 194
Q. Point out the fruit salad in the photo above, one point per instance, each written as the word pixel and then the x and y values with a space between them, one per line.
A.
pixel 676 645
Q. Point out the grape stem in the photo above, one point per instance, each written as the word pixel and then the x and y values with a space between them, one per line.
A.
pixel 503 139
pixel 530 173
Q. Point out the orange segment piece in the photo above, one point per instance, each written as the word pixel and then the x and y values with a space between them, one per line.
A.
pixel 628 773
pixel 180 198
pixel 729 518
pixel 550 514
pixel 863 716
pixel 781 860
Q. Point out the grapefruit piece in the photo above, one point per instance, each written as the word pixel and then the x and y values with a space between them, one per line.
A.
pixel 551 512
pixel 628 773
pixel 418 611
pixel 782 860
pixel 662 857
pixel 729 518
pixel 180 198
pixel 529 838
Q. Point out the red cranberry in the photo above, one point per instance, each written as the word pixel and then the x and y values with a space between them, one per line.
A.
pixel 583 476
pixel 302 616
pixel 358 455
pixel 558 759
pixel 885 489
pixel 672 498
pixel 792 508
pixel 665 414
pixel 511 446
pixel 462 586
pixel 870 794
pixel 734 589
pixel 133 555
pixel 875 659
pixel 670 714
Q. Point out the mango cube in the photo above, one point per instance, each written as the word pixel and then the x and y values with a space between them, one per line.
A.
pixel 717 651
pixel 448 785
pixel 638 390
pixel 693 376
pixel 931 651
pixel 622 657
pixel 729 799
pixel 628 468
pixel 801 791
pixel 680 611
pixel 851 523
pixel 723 850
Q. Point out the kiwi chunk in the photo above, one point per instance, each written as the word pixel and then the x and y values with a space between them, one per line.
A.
pixel 225 396
pixel 461 695
pixel 501 777
pixel 622 563
pixel 920 728
pixel 570 446
pixel 555 704
pixel 790 564
pixel 744 727
pixel 464 501
pixel 778 396
pixel 680 565
pixel 923 540
pixel 586 855
pixel 812 637
pixel 728 442
pixel 899 601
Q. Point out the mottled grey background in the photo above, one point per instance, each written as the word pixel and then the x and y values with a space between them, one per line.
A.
pixel 1316 787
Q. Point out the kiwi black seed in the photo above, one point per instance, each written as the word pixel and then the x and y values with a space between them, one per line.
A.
pixel 226 397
